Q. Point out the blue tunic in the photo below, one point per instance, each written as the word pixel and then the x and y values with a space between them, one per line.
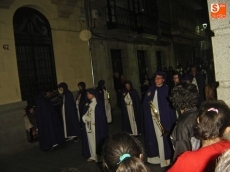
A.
pixel 167 118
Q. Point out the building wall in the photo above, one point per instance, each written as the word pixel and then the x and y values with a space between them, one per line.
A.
pixel 72 58
pixel 221 50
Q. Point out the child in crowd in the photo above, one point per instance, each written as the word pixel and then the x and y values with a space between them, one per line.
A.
pixel 122 152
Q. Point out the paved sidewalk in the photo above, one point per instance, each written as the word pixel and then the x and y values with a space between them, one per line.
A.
pixel 35 160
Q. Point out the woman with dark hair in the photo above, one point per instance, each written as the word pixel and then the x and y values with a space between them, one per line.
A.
pixel 213 123
pixel 103 96
pixel 184 97
pixel 131 110
pixel 121 152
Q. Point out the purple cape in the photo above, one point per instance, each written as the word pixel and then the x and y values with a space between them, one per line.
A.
pixel 71 117
pixel 167 118
pixel 83 100
pixel 101 128
pixel 50 131
pixel 137 112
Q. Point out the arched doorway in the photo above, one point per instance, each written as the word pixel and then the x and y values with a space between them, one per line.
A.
pixel 34 50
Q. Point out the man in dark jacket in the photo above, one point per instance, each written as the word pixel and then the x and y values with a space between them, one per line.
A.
pixel 184 97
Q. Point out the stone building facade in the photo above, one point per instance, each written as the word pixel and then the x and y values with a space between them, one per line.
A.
pixel 221 49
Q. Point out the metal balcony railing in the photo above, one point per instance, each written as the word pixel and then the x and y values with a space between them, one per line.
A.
pixel 121 18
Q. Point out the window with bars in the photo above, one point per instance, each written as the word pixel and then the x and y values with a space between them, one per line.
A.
pixel 34 51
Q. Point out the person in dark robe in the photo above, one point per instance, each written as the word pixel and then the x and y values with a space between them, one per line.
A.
pixel 131 110
pixel 95 127
pixel 71 123
pixel 103 96
pixel 196 78
pixel 81 99
pixel 118 88
pixel 157 109
pixel 50 132
pixel 56 98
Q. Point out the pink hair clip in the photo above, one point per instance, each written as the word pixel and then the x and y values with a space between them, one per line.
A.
pixel 213 109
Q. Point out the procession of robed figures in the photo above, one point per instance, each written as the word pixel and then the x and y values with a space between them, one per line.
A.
pixel 87 117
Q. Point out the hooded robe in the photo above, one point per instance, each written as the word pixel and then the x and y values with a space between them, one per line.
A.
pixel 167 118
pixel 103 96
pixel 97 130
pixel 69 113
pixel 131 111
pixel 50 132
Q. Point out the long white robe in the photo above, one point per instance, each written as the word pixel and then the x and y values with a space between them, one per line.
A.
pixel 107 107
pixel 132 120
pixel 64 121
pixel 77 106
pixel 161 158
pixel 89 120
pixel 63 117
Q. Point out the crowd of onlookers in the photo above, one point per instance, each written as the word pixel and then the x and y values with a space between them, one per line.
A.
pixel 185 127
